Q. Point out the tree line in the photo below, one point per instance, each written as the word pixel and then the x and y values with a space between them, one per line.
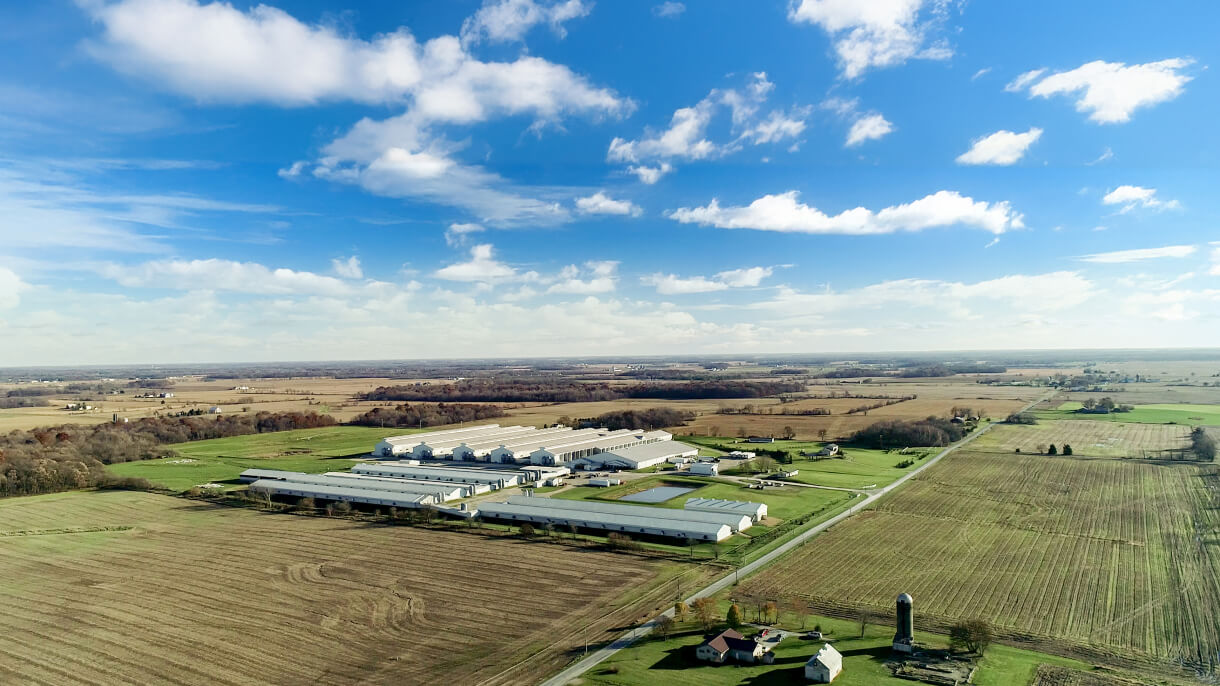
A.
pixel 651 418
pixel 421 415
pixel 570 391
pixel 892 433
pixel 65 457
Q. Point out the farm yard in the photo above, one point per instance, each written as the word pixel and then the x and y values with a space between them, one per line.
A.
pixel 1089 554
pixel 1087 438
pixel 114 587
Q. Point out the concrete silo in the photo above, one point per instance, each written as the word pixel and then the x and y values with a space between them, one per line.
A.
pixel 904 637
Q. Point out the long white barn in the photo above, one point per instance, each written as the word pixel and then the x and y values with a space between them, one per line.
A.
pixel 642 520
pixel 755 511
pixel 735 522
pixel 443 492
pixel 351 495
pixel 488 478
pixel 638 456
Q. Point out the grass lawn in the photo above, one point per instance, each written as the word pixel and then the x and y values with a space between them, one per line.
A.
pixel 1191 415
pixel 784 503
pixel 859 468
pixel 220 460
pixel 671 661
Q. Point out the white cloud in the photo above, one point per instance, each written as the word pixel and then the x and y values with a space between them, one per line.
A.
pixel 1000 148
pixel 216 52
pixel 11 286
pixel 744 278
pixel 672 284
pixel 1109 91
pixel 784 212
pixel 293 171
pixel 1137 255
pixel 1131 197
pixel 686 137
pixel 877 33
pixel 457 233
pixel 227 275
pixel 669 8
pixel 482 267
pixel 650 175
pixel 869 127
pixel 504 21
pixel 980 73
pixel 349 268
pixel 602 277
pixel 600 203
pixel 1215 270
pixel 1105 156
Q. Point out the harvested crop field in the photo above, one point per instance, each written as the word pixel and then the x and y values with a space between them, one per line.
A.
pixel 1098 439
pixel 123 587
pixel 1107 556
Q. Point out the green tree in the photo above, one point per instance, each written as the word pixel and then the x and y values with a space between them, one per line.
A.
pixel 733 618
pixel 1067 449
pixel 1051 450
pixel 973 635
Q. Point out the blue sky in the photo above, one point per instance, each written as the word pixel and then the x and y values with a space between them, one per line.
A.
pixel 188 181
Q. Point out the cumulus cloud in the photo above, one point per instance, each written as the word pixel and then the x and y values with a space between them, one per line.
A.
pixel 869 127
pixel 457 233
pixel 1131 197
pixel 349 268
pixel 227 275
pixel 504 21
pixel 650 175
pixel 669 9
pixel 293 170
pixel 1000 148
pixel 1140 254
pixel 482 267
pixel 877 33
pixel 218 53
pixel 600 203
pixel 672 284
pixel 686 136
pixel 596 277
pixel 10 287
pixel 1109 91
pixel 785 213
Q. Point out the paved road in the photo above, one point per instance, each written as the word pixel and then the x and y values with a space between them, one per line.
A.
pixel 724 582
pixel 754 480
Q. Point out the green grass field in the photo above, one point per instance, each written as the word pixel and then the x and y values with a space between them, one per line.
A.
pixel 220 460
pixel 1191 415
pixel 859 468
pixel 784 503
pixel 671 661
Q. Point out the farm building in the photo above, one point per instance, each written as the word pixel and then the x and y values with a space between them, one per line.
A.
pixel 735 522
pixel 395 446
pixel 639 456
pixel 351 495
pixel 705 469
pixel 680 460
pixel 731 644
pixel 563 453
pixel 491 478
pixel 824 666
pixel 543 473
pixel 442 447
pixel 755 511
pixel 638 523
pixel 604 483
pixel 517 447
pixel 441 491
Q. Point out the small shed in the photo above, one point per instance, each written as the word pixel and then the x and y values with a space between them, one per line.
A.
pixel 824 666
pixel 605 483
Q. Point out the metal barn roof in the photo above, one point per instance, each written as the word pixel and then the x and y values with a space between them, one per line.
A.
pixel 709 531
pixel 735 521
pixel 354 495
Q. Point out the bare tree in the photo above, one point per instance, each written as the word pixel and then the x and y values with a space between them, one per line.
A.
pixel 705 611
pixel 665 624
pixel 822 434
pixel 789 432
pixel 864 617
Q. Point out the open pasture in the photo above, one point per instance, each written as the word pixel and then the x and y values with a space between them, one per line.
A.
pixel 123 587
pixel 1097 439
pixel 1111 556
pixel 221 460
pixel 1157 413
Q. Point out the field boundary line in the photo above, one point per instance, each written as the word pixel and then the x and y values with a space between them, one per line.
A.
pixel 724 582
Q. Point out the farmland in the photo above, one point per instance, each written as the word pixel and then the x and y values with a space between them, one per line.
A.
pixel 1097 439
pixel 134 587
pixel 1159 413
pixel 220 460
pixel 1114 556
